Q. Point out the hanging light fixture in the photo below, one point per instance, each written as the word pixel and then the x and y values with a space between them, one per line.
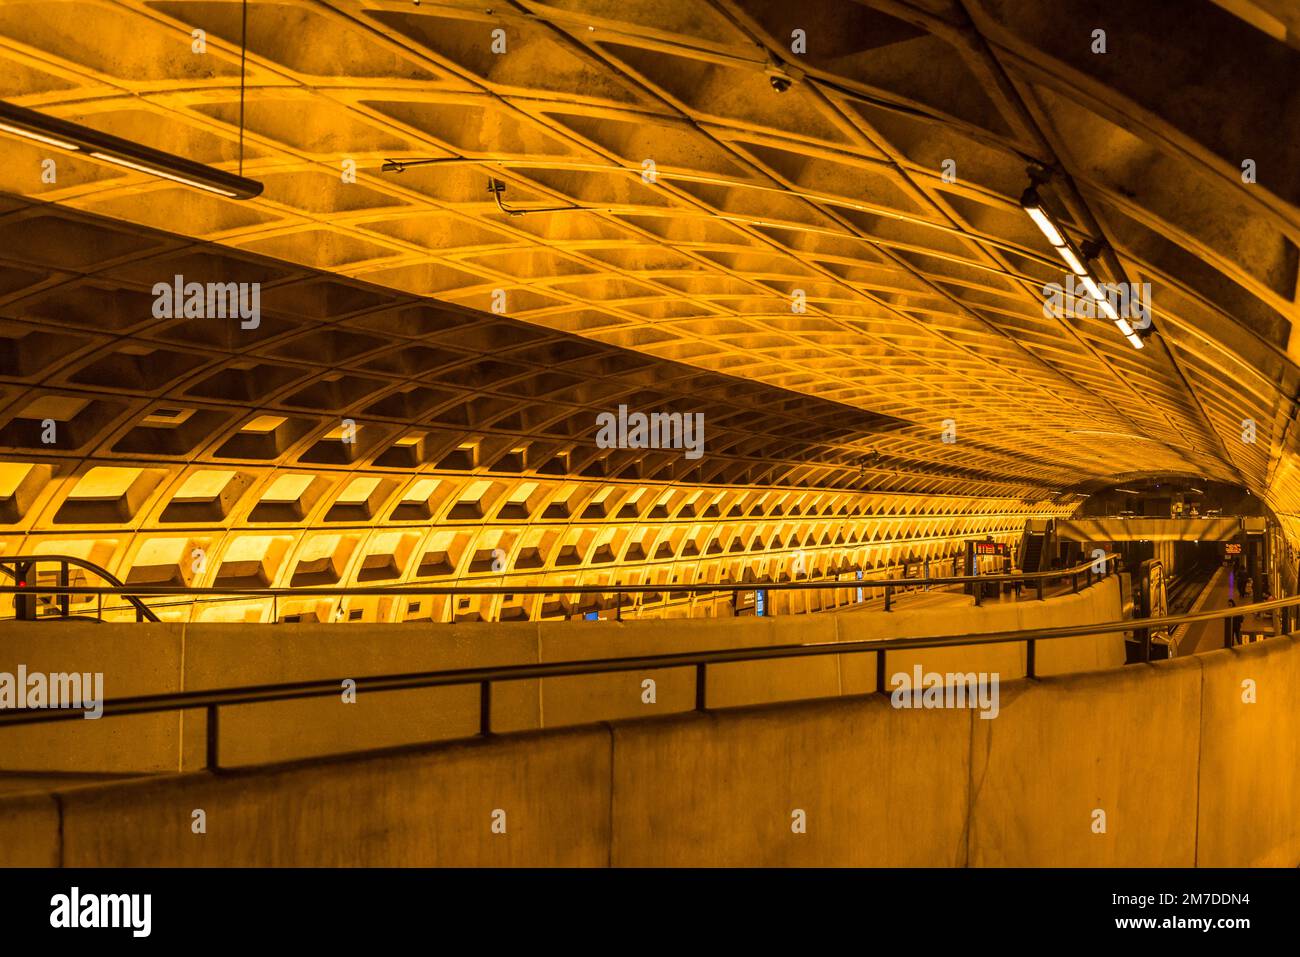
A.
pixel 60 134
pixel 1075 260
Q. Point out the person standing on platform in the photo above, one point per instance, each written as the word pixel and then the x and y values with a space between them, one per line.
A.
pixel 1236 624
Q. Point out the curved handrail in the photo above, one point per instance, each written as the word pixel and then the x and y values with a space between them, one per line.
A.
pixel 141 608
pixel 484 676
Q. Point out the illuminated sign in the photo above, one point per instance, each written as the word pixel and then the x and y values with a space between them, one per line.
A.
pixel 988 548
pixel 1232 548
pixel 760 602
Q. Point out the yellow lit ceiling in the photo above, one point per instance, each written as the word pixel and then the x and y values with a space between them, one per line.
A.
pixel 880 189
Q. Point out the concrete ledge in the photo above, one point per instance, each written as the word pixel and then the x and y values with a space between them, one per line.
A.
pixel 135 659
pixel 789 679
pixel 29 831
pixel 156 658
pixel 722 789
pixel 1124 743
pixel 422 808
pixel 1250 756
pixel 225 655
pixel 1146 744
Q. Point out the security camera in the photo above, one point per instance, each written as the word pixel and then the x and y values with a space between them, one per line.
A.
pixel 782 75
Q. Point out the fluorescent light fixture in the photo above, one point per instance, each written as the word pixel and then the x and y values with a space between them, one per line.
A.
pixel 48 140
pixel 1033 206
pixel 157 172
pixel 74 138
pixel 1072 260
pixel 1090 284
pixel 1037 214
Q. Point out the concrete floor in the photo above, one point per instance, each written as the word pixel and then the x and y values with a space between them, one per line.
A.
pixel 1207 636
pixel 952 595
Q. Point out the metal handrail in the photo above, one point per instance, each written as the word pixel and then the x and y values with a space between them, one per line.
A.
pixel 484 677
pixel 888 584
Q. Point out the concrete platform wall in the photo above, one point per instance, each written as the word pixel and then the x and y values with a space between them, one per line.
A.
pixel 1167 764
pixel 139 659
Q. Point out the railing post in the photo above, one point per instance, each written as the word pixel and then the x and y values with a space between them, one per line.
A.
pixel 275 609
pixel 618 606
pixel 888 591
pixel 880 671
pixel 1038 586
pixel 701 687
pixel 1074 583
pixel 1031 658
pixel 65 599
pixel 25 605
pixel 485 708
pixel 213 735
pixel 979 593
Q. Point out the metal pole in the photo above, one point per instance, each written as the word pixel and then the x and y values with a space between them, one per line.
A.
pixel 1031 658
pixel 485 708
pixel 701 687
pixel 887 594
pixel 65 599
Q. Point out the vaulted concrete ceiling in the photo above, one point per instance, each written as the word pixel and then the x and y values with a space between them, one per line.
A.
pixel 882 185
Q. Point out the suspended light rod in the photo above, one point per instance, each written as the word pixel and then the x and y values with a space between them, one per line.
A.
pixel 60 134
pixel 1076 261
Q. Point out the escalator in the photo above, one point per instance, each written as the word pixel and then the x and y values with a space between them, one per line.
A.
pixel 1035 546
pixel 1157 596
pixel 31 604
pixel 1032 556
